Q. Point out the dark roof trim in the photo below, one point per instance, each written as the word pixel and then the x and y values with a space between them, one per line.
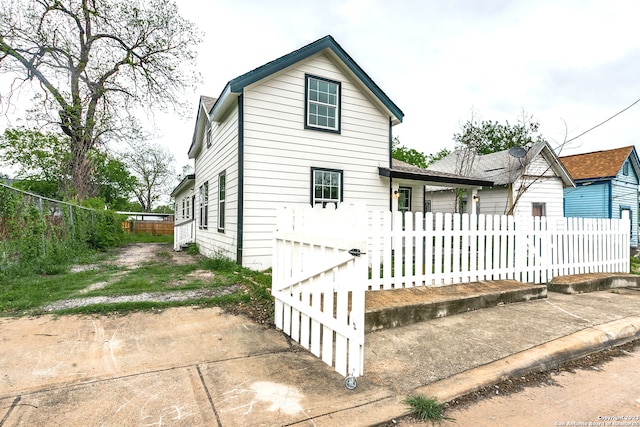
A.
pixel 429 176
pixel 238 84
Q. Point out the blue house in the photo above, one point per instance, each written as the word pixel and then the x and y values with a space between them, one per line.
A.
pixel 606 185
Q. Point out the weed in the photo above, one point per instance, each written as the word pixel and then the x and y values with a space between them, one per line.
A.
pixel 426 409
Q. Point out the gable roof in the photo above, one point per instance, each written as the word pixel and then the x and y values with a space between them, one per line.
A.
pixel 202 119
pixel 187 182
pixel 501 167
pixel 599 164
pixel 403 170
pixel 236 86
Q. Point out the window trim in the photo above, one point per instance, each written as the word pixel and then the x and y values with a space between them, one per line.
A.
pixel 209 134
pixel 400 191
pixel 222 197
pixel 313 182
pixel 204 206
pixel 337 129
pixel 542 206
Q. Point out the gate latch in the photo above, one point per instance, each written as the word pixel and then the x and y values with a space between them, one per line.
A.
pixel 356 252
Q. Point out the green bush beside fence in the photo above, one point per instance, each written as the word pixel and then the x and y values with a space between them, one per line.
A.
pixel 43 235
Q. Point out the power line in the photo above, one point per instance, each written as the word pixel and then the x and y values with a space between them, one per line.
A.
pixel 600 124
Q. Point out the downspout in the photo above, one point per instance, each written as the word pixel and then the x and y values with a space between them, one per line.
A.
pixel 240 231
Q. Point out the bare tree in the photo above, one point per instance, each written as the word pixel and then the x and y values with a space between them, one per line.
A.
pixel 153 168
pixel 93 62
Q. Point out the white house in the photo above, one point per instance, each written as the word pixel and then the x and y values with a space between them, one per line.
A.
pixel 310 127
pixel 526 181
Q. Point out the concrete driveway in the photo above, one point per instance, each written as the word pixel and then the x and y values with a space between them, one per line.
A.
pixel 202 367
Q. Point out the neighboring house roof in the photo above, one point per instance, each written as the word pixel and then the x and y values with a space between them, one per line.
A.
pixel 186 182
pixel 400 169
pixel 501 167
pixel 326 44
pixel 600 164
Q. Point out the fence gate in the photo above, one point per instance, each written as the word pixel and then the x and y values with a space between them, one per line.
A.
pixel 319 281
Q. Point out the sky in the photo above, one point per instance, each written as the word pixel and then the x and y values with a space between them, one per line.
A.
pixel 569 64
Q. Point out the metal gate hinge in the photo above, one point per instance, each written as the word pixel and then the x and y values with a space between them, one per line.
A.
pixel 356 252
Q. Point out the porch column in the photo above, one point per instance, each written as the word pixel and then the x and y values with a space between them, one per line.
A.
pixel 395 196
pixel 472 201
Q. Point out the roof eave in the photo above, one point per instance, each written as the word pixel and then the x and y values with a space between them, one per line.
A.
pixel 183 184
pixel 237 85
pixel 460 182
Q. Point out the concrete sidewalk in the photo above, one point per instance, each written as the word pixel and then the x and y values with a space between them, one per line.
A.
pixel 201 367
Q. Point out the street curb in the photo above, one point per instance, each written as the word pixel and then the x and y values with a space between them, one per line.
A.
pixel 537 359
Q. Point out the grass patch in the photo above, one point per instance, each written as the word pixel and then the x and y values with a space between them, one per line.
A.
pixel 147 238
pixel 251 290
pixel 426 409
pixel 635 265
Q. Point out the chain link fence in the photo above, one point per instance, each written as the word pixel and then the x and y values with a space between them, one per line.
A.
pixel 42 234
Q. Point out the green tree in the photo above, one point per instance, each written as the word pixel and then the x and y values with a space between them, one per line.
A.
pixel 113 181
pixel 94 62
pixel 407 155
pixel 41 159
pixel 38 156
pixel 413 156
pixel 488 136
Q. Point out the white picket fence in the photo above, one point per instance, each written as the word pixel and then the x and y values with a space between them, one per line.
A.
pixel 319 286
pixel 325 259
pixel 439 249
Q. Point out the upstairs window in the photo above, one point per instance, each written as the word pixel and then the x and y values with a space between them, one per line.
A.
pixel 625 169
pixel 326 186
pixel 209 135
pixel 322 104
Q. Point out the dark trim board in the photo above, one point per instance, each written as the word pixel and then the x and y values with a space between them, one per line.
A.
pixel 433 177
pixel 240 230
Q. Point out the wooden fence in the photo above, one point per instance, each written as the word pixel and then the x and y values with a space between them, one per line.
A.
pixel 156 228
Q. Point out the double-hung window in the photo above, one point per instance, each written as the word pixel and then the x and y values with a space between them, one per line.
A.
pixel 326 186
pixel 322 104
pixel 204 205
pixel 222 190
pixel 404 201
pixel 209 136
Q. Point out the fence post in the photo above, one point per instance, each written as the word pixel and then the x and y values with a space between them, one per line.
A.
pixel 71 222
pixel 44 222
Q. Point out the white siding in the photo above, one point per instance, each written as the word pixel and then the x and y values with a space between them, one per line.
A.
pixel 280 152
pixel 222 155
pixel 542 186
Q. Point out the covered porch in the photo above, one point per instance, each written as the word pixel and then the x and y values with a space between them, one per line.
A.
pixel 407 187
